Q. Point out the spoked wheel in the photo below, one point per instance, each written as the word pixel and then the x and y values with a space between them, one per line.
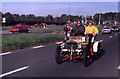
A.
pixel 58 56
pixel 86 56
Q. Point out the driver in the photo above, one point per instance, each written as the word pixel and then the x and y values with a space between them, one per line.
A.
pixel 91 31
pixel 78 29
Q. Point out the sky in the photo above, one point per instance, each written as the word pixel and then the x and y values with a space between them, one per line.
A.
pixel 60 0
pixel 58 8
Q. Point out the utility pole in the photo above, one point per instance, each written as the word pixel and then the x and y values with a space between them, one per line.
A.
pixel 99 18
pixel 69 11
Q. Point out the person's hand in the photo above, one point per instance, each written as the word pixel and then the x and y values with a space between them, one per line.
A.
pixel 94 35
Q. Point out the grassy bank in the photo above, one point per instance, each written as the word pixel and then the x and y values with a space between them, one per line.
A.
pixel 5 27
pixel 51 28
pixel 22 41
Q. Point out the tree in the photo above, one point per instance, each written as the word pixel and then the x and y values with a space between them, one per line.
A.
pixel 64 18
pixel 9 18
pixel 49 18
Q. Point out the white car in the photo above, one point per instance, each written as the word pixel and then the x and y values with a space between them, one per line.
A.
pixel 106 30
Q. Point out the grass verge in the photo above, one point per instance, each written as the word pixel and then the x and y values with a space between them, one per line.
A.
pixel 22 41
pixel 5 27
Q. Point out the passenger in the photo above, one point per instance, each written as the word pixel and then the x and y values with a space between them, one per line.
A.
pixel 91 31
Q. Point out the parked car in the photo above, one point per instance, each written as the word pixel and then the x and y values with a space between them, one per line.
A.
pixel 23 25
pixel 106 30
pixel 42 25
pixel 115 29
pixel 19 29
pixel 37 25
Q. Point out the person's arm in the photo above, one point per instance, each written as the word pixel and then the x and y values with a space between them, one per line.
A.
pixel 96 31
pixel 85 31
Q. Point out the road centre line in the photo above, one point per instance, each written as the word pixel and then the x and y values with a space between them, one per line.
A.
pixel 101 40
pixel 38 47
pixel 14 71
pixel 110 36
pixel 1 54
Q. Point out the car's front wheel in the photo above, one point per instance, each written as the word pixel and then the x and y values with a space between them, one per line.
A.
pixel 58 55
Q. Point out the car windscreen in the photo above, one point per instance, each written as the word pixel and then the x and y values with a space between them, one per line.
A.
pixel 106 28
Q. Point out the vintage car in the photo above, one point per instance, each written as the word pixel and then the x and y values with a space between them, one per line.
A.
pixel 77 47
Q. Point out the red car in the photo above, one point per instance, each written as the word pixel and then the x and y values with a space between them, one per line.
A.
pixel 23 25
pixel 38 25
pixel 42 25
pixel 18 29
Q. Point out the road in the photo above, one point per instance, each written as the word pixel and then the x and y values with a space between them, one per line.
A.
pixel 39 62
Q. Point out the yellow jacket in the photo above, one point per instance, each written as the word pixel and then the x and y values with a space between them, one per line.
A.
pixel 91 30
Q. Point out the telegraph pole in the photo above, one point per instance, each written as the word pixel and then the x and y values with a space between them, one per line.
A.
pixel 69 11
pixel 99 18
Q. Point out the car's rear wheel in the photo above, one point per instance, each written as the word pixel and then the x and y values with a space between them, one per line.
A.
pixel 26 31
pixel 58 56
pixel 86 56
pixel 20 31
pixel 13 32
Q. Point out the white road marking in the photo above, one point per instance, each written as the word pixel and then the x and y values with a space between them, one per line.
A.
pixel 116 34
pixel 110 36
pixel 59 42
pixel 101 40
pixel 14 71
pixel 37 47
pixel 1 54
pixel 118 67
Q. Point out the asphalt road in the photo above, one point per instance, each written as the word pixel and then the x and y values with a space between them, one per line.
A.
pixel 7 32
pixel 40 62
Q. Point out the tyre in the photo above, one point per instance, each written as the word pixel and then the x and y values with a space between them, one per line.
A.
pixel 110 32
pixel 86 56
pixel 58 57
pixel 27 31
pixel 13 32
pixel 20 31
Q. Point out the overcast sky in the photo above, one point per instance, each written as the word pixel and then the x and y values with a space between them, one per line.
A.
pixel 58 8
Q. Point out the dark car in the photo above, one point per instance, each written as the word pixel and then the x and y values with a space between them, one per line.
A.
pixel 18 29
pixel 115 29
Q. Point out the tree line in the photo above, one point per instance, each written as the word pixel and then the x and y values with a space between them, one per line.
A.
pixel 31 19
